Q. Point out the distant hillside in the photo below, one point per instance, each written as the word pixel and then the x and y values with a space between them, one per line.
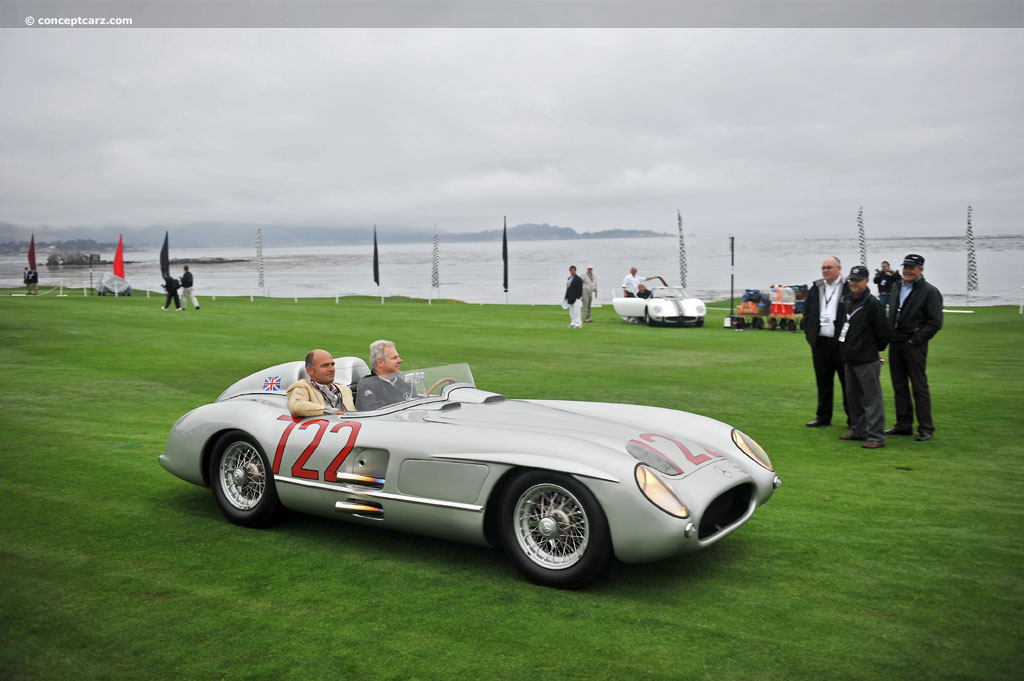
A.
pixel 14 238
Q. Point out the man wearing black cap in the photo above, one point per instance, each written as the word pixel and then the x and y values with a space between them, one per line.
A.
pixel 915 316
pixel 823 309
pixel 864 335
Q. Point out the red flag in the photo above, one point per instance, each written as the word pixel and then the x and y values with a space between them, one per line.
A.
pixel 119 258
pixel 32 253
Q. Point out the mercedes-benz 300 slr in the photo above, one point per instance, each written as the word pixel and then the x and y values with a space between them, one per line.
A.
pixel 561 486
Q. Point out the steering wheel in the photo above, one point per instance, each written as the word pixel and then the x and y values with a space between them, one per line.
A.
pixel 440 383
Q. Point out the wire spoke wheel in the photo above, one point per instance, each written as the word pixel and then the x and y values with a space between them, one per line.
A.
pixel 243 478
pixel 551 526
pixel 239 475
pixel 553 529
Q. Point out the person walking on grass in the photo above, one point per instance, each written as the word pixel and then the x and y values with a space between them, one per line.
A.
pixel 186 290
pixel 171 286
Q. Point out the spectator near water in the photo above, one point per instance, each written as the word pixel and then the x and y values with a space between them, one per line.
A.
pixel 186 290
pixel 884 279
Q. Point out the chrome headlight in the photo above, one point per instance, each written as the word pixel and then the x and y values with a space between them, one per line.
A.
pixel 658 493
pixel 751 449
pixel 656 309
pixel 701 310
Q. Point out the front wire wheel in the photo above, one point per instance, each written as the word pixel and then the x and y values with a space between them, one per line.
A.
pixel 241 481
pixel 554 530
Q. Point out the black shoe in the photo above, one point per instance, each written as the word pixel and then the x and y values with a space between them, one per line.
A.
pixel 899 431
pixel 817 423
pixel 851 436
pixel 923 437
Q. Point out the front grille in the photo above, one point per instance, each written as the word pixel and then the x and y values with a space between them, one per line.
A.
pixel 725 510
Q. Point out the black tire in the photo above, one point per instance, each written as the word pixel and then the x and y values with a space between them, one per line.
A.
pixel 553 530
pixel 647 318
pixel 241 480
pixel 699 322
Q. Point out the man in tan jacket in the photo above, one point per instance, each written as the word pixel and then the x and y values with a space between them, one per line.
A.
pixel 320 394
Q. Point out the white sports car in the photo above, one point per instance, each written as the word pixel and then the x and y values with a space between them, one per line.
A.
pixel 561 486
pixel 667 305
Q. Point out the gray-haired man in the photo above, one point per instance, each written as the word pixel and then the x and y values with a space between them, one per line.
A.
pixel 384 385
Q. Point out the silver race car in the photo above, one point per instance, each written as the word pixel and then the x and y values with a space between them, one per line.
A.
pixel 560 486
pixel 666 305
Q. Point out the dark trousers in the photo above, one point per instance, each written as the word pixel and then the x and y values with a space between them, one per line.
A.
pixel 828 363
pixel 864 397
pixel 907 364
pixel 172 294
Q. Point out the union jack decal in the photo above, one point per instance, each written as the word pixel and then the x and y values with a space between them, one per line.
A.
pixel 272 384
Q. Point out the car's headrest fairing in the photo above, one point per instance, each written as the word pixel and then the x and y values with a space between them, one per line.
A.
pixel 276 379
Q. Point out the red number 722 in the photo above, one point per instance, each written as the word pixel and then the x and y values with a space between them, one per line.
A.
pixel 299 469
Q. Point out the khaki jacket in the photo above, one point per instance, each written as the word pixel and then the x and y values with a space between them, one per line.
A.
pixel 305 400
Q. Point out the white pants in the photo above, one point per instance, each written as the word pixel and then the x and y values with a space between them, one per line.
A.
pixel 574 315
pixel 186 295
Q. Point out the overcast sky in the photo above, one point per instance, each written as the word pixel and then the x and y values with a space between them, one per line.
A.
pixel 745 131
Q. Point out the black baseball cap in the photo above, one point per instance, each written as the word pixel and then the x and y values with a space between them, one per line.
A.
pixel 914 259
pixel 858 273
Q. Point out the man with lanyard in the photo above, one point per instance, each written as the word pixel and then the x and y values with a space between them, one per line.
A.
pixel 384 386
pixel 915 316
pixel 864 335
pixel 319 394
pixel 823 309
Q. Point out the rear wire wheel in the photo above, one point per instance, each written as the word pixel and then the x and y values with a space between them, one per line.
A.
pixel 553 530
pixel 242 481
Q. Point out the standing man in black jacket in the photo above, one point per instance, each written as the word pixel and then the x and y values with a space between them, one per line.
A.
pixel 823 309
pixel 915 316
pixel 573 295
pixel 864 335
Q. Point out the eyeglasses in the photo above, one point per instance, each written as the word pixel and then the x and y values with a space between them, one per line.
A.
pixel 827 267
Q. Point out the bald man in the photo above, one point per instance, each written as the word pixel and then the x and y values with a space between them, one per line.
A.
pixel 319 394
pixel 824 310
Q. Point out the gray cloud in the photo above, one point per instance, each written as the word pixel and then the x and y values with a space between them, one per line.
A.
pixel 744 130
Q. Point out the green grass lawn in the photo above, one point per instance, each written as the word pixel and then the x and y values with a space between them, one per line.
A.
pixel 902 563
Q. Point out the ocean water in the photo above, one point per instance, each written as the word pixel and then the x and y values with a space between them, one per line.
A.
pixel 472 271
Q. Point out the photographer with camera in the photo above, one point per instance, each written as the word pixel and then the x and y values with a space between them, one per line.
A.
pixel 884 279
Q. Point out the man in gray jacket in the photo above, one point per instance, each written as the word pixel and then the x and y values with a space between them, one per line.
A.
pixel 863 336
pixel 915 316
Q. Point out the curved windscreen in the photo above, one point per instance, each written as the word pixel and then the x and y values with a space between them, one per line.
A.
pixel 432 380
pixel 672 292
